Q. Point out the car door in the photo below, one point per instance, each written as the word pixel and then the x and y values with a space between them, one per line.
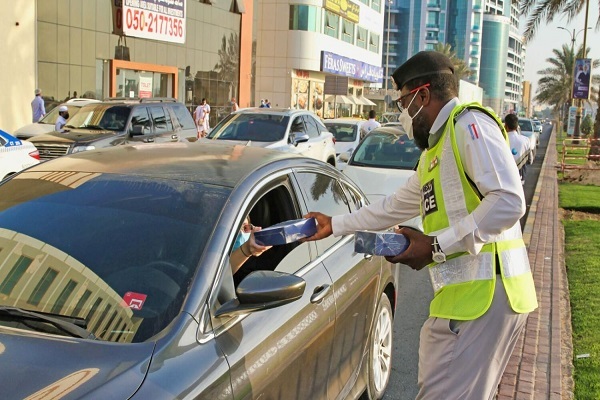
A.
pixel 140 127
pixel 321 144
pixel 163 126
pixel 283 352
pixel 355 279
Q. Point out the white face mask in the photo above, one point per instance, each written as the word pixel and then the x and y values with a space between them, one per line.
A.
pixel 406 120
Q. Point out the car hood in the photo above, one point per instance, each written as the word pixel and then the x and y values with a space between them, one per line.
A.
pixel 75 135
pixel 377 182
pixel 35 129
pixel 39 365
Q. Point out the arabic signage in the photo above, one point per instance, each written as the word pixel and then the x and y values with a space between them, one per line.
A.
pixel 345 8
pixel 581 80
pixel 162 20
pixel 344 66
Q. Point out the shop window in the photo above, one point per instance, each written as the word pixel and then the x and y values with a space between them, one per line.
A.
pixel 361 37
pixel 347 31
pixel 332 24
pixel 374 42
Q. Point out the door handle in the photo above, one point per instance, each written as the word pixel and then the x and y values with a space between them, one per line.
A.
pixel 174 137
pixel 368 257
pixel 320 293
pixel 149 140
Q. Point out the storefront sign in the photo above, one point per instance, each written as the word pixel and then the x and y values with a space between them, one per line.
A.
pixel 117 17
pixel 581 80
pixel 345 8
pixel 145 89
pixel 340 65
pixel 154 19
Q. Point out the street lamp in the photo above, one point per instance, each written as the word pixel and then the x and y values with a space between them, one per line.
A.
pixel 387 55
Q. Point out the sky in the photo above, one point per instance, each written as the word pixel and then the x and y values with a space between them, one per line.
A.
pixel 549 37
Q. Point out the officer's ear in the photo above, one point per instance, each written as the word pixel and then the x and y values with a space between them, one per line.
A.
pixel 425 96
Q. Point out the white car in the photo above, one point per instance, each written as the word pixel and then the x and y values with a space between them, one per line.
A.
pixel 347 134
pixel 538 126
pixel 384 160
pixel 15 155
pixel 46 124
pixel 293 131
pixel 527 128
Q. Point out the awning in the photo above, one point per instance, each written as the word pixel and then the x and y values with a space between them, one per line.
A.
pixel 355 100
pixel 340 98
pixel 366 101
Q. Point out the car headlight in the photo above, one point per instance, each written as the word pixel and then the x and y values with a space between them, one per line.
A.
pixel 78 149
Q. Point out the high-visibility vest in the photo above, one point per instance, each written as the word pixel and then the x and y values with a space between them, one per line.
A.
pixel 464 284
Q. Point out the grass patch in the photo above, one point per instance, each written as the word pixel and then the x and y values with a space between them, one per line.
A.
pixel 582 198
pixel 582 246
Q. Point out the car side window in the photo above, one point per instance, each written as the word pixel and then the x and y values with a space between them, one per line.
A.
pixel 161 120
pixel 298 125
pixel 324 194
pixel 356 200
pixel 311 126
pixel 183 116
pixel 140 121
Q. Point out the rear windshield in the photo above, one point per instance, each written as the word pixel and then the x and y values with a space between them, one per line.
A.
pixel 342 132
pixel 383 150
pixel 117 253
pixel 525 125
pixel 254 127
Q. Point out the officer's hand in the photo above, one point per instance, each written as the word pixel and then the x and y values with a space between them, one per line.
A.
pixel 324 228
pixel 419 252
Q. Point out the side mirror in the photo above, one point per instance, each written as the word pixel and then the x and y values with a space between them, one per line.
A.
pixel 299 137
pixel 345 156
pixel 262 290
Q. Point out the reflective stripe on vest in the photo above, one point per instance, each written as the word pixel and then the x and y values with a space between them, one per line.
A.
pixel 463 285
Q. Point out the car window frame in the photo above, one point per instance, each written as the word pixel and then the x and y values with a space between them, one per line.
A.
pixel 150 122
pixel 308 122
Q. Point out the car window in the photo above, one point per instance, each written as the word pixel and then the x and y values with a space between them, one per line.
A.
pixel 384 150
pixel 140 118
pixel 122 265
pixel 324 194
pixel 298 126
pixel 356 200
pixel 51 117
pixel 183 116
pixel 342 132
pixel 161 120
pixel 104 116
pixel 255 127
pixel 525 125
pixel 311 127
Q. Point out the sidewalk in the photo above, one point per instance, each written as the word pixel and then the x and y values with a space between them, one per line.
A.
pixel 540 366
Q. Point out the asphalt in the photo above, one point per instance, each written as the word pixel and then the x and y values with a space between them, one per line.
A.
pixel 541 364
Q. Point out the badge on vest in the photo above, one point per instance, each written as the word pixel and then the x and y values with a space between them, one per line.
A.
pixel 434 163
pixel 428 198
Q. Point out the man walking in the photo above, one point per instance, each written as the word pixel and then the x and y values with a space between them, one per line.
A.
pixel 201 115
pixel 370 124
pixel 37 106
pixel 469 195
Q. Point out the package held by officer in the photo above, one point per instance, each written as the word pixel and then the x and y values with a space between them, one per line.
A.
pixel 380 243
pixel 286 232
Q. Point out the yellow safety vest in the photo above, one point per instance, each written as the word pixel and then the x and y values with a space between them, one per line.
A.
pixel 464 284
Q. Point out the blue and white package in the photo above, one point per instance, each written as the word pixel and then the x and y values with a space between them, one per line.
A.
pixel 380 243
pixel 286 232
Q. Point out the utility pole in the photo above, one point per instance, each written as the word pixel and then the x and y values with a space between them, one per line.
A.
pixel 576 132
pixel 387 55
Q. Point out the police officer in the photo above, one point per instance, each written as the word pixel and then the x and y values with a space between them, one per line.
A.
pixel 469 195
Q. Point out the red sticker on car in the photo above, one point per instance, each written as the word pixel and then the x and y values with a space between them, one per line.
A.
pixel 134 300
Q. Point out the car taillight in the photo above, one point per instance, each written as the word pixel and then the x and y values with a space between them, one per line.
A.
pixel 35 154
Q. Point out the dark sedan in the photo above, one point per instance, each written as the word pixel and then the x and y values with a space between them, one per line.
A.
pixel 115 280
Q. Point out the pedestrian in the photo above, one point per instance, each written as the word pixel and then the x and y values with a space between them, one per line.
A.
pixel 262 104
pixel 234 105
pixel 37 106
pixel 370 124
pixel 201 117
pixel 267 103
pixel 468 193
pixel 61 121
pixel 519 145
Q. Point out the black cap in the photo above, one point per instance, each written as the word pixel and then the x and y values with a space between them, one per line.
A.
pixel 422 64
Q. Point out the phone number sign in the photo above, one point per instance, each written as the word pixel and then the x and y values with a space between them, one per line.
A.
pixel 162 20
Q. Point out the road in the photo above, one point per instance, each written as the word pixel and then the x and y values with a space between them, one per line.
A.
pixel 415 295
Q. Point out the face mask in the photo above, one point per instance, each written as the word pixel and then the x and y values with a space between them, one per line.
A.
pixel 406 120
pixel 241 238
pixel 66 115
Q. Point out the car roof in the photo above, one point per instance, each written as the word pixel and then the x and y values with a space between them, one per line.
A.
pixel 202 161
pixel 389 129
pixel 274 111
pixel 80 102
pixel 349 121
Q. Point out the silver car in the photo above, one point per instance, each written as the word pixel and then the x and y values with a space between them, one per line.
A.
pixel 115 280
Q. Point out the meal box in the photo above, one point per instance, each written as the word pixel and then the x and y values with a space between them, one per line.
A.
pixel 286 232
pixel 380 243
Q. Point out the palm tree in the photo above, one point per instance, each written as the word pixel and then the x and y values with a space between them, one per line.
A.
pixel 461 69
pixel 556 83
pixel 538 11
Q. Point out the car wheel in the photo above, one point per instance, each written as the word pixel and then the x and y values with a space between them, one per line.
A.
pixel 379 367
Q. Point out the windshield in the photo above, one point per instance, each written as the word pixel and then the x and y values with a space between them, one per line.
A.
pixel 101 116
pixel 51 117
pixel 255 127
pixel 117 252
pixel 385 150
pixel 525 125
pixel 342 132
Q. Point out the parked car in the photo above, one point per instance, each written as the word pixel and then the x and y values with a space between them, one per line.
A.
pixel 288 130
pixel 47 124
pixel 15 155
pixel 347 134
pixel 383 161
pixel 117 122
pixel 526 128
pixel 116 282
